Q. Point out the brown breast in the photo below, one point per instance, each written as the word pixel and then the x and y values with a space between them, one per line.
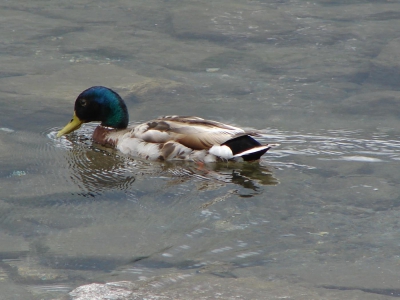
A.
pixel 101 136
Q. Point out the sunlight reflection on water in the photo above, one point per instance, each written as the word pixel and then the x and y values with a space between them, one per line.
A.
pixel 335 145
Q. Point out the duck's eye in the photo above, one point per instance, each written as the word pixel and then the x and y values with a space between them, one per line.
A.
pixel 83 102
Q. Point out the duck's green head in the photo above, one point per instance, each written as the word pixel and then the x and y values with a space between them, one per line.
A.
pixel 98 103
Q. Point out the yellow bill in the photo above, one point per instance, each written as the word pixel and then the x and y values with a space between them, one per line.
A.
pixel 74 124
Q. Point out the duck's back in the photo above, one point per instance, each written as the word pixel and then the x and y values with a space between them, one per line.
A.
pixel 193 132
pixel 178 137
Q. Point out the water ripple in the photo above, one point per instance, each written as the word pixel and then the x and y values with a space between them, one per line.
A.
pixel 343 145
pixel 96 169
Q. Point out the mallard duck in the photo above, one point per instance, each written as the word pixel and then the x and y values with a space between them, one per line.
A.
pixel 165 138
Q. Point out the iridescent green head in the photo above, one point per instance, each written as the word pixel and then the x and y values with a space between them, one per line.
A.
pixel 98 103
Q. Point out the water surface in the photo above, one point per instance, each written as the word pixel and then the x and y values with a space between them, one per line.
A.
pixel 317 217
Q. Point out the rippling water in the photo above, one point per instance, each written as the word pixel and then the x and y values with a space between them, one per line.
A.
pixel 139 219
pixel 316 218
pixel 337 145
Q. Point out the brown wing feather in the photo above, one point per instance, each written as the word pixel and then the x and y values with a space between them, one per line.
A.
pixel 193 132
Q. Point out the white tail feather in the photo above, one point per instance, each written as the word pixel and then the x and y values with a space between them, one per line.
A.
pixel 221 151
pixel 252 150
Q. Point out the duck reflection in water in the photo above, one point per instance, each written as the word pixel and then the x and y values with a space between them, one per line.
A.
pixel 96 169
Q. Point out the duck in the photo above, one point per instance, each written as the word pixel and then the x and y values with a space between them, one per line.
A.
pixel 164 138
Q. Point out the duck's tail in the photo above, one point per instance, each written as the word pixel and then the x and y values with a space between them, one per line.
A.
pixel 243 146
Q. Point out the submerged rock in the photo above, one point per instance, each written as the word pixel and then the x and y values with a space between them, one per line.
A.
pixel 231 22
pixel 96 291
pixel 211 287
pixel 154 87
pixel 379 103
pixel 386 66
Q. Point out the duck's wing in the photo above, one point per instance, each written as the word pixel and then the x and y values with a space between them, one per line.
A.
pixel 193 132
